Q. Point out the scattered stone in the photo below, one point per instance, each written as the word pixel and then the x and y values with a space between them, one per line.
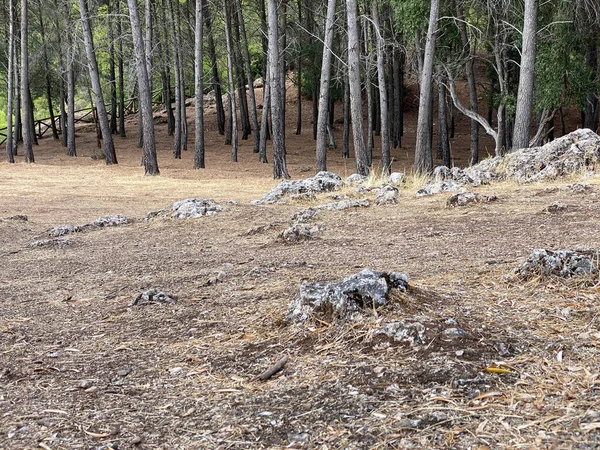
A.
pixel 340 300
pixel 345 204
pixel 363 189
pixel 437 417
pixel 109 221
pixel 556 207
pixel 305 215
pixel 453 333
pixel 300 438
pixel 232 202
pixel 400 331
pixel 409 423
pixel 298 232
pixel 136 440
pixel 192 208
pixel 305 169
pixel 463 199
pixel 501 348
pixel 579 188
pixel 338 197
pixel 388 195
pixel 321 182
pixel 153 296
pixel 58 243
pixel 175 371
pixel 396 178
pixel 562 263
pixel 63 230
pixel 18 217
pixel 355 179
pixel 85 384
pixel 437 187
pixel 303 196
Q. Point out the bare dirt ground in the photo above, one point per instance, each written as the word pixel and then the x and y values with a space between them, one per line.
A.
pixel 80 367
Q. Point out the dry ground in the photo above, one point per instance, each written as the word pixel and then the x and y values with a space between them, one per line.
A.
pixel 81 368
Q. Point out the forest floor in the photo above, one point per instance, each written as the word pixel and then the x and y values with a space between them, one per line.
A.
pixel 81 367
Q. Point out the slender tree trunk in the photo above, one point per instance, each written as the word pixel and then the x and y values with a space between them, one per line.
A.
pixel 423 158
pixel 277 94
pixel 526 77
pixel 25 104
pixel 61 84
pixel 109 148
pixel 299 77
pixel 324 91
pixel 48 81
pixel 184 124
pixel 122 132
pixel 346 112
pixel 397 99
pixel 358 130
pixel 9 75
pixel 369 93
pixel 18 129
pixel 386 162
pixel 199 89
pixel 71 147
pixel 443 142
pixel 231 93
pixel 216 82
pixel 31 106
pixel 149 159
pixel 112 73
pixel 264 125
pixel 250 78
pixel 592 105
pixel 470 73
pixel 178 99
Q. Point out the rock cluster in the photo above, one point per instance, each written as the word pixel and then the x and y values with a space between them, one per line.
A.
pixel 340 300
pixel 466 198
pixel 101 222
pixel 321 182
pixel 575 152
pixel 562 263
pixel 153 296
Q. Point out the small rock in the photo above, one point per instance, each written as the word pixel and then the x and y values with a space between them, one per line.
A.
pixel 153 296
pixel 462 199
pixel 123 372
pixel 580 188
pixel 136 440
pixel 63 230
pixel 388 195
pixel 437 417
pixel 192 331
pixel 396 178
pixel 562 263
pixel 453 333
pixel 321 182
pixel 409 423
pixel 175 371
pixel 298 232
pixel 305 215
pixel 556 207
pixel 501 348
pixel 232 202
pixel 58 243
pixel 298 437
pixel 303 196
pixel 355 179
pixel 18 217
pixel 193 208
pixel 85 384
pixel 110 221
pixel 345 204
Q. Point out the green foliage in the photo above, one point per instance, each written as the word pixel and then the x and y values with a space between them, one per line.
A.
pixel 411 15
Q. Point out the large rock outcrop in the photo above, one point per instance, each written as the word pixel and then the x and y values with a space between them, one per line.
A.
pixel 321 182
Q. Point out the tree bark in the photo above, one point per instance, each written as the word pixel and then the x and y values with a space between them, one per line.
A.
pixel 383 101
pixel 145 99
pixel 324 91
pixel 592 105
pixel 346 112
pixel 231 93
pixel 443 141
pixel 526 77
pixel 112 73
pixel 122 132
pixel 358 129
pixel 108 145
pixel 264 125
pixel 216 82
pixel 423 158
pixel 369 93
pixel 199 89
pixel 71 147
pixel 26 117
pixel 277 95
pixel 178 100
pixel 9 75
pixel 48 80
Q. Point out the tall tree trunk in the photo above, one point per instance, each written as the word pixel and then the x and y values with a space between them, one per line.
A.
pixel 109 148
pixel 239 72
pixel 231 93
pixel 423 158
pixel 386 162
pixel 149 159
pixel 592 105
pixel 277 94
pixel 61 84
pixel 526 77
pixel 216 82
pixel 369 93
pixel 248 69
pixel 31 106
pixel 299 78
pixel 264 125
pixel 18 129
pixel 122 132
pixel 71 147
pixel 324 91
pixel 346 112
pixel 184 124
pixel 165 73
pixel 443 141
pixel 178 99
pixel 9 75
pixel 199 89
pixel 112 73
pixel 48 80
pixel 25 104
pixel 358 129
pixel 470 73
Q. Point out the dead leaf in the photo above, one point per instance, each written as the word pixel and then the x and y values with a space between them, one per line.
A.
pixel 497 370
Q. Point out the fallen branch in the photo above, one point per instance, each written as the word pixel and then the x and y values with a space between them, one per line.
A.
pixel 273 369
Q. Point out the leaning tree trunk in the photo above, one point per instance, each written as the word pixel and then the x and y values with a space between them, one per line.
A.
pixel 358 129
pixel 423 158
pixel 383 101
pixel 324 91
pixel 9 75
pixel 277 95
pixel 231 93
pixel 26 117
pixel 520 138
pixel 71 148
pixel 145 100
pixel 198 89
pixel 109 147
